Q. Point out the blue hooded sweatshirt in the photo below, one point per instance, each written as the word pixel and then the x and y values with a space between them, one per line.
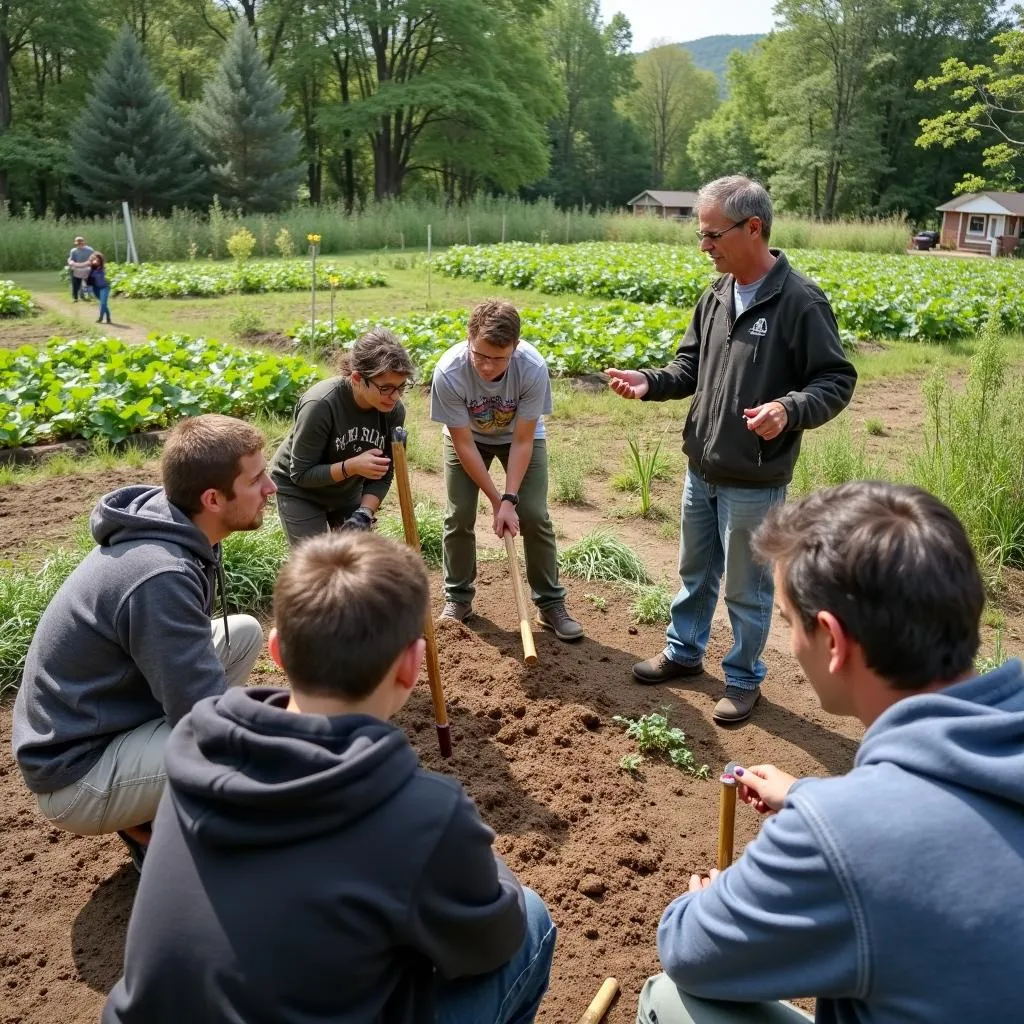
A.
pixel 894 893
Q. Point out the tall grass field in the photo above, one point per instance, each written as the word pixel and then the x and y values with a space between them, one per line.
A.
pixel 31 243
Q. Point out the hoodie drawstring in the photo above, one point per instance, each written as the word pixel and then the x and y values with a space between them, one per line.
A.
pixel 223 587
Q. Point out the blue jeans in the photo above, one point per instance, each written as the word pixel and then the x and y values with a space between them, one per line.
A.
pixel 511 994
pixel 717 525
pixel 103 294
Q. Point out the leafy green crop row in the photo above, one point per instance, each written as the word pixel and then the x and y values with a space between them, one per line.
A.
pixel 874 296
pixel 109 389
pixel 573 339
pixel 14 301
pixel 175 280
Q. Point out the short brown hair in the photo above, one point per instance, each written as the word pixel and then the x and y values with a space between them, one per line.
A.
pixel 203 452
pixel 893 564
pixel 345 606
pixel 495 321
pixel 375 352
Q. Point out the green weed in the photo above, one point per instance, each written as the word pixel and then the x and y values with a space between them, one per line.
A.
pixel 600 556
pixel 875 427
pixel 630 764
pixel 973 456
pixel 252 560
pixel 995 659
pixel 653 736
pixel 651 605
pixel 644 467
pixel 429 525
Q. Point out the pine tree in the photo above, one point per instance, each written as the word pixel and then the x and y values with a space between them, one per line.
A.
pixel 130 143
pixel 252 149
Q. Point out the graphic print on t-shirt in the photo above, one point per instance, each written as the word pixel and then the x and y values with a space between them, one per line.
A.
pixel 358 439
pixel 493 414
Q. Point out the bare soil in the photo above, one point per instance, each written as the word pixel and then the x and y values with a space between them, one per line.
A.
pixel 536 748
pixel 538 751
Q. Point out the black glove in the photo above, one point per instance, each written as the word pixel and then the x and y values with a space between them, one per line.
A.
pixel 361 519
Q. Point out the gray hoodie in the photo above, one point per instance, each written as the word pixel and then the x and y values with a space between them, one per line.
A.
pixel 895 893
pixel 124 641
pixel 306 868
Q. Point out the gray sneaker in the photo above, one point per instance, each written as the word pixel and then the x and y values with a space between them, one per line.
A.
pixel 736 705
pixel 560 622
pixel 457 610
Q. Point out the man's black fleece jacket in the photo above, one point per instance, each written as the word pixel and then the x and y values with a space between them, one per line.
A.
pixel 784 347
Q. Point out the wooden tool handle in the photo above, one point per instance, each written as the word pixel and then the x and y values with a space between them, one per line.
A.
pixel 599 1006
pixel 412 538
pixel 726 821
pixel 525 631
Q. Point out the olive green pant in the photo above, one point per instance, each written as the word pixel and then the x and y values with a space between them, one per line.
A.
pixel 535 525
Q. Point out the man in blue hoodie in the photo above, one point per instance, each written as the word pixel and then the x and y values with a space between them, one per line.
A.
pixel 892 893
pixel 304 867
pixel 127 645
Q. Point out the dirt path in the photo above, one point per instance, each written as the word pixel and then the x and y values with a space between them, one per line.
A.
pixel 84 314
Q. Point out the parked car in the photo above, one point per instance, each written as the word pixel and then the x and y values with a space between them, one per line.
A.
pixel 926 239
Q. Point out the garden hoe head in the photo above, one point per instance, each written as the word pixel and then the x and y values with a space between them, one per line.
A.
pixel 412 538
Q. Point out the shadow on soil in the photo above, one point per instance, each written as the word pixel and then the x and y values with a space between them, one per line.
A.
pixel 98 932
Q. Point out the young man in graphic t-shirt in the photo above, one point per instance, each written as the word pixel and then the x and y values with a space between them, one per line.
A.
pixel 491 393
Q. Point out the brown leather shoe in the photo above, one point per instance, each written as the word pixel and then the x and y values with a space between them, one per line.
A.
pixel 736 705
pixel 662 669
pixel 560 622
pixel 457 610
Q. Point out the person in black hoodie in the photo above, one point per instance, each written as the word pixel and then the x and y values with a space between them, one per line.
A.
pixel 763 361
pixel 127 644
pixel 334 468
pixel 304 867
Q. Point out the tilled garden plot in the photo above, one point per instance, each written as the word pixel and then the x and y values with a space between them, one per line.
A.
pixel 539 752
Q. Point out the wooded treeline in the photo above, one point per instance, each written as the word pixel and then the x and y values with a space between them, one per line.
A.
pixel 267 102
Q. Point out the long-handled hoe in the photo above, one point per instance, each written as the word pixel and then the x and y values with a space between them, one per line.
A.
pixel 726 816
pixel 412 538
pixel 525 631
pixel 599 1005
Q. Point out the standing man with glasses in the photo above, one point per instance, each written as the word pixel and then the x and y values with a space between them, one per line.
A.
pixel 334 468
pixel 763 361
pixel 491 393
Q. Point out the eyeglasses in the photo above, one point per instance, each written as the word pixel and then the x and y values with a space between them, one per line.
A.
pixel 711 236
pixel 387 390
pixel 481 358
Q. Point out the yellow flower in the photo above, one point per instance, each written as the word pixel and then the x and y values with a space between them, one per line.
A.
pixel 315 239
pixel 333 280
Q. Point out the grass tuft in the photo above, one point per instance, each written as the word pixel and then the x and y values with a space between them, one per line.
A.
pixel 600 556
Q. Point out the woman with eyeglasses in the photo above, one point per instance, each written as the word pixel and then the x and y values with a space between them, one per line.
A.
pixel 334 468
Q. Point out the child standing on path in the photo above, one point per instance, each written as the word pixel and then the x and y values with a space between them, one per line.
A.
pixel 304 867
pixel 98 283
pixel 491 393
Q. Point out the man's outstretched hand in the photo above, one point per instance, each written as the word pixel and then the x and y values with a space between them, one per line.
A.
pixel 628 383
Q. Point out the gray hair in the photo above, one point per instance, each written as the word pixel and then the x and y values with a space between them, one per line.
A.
pixel 739 198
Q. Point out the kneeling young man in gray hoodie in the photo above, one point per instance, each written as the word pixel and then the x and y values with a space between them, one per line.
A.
pixel 891 893
pixel 127 645
pixel 304 867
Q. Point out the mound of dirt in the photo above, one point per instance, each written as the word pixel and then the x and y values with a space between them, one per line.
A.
pixel 536 748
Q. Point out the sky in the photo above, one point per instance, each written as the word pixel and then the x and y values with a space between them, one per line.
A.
pixel 679 21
